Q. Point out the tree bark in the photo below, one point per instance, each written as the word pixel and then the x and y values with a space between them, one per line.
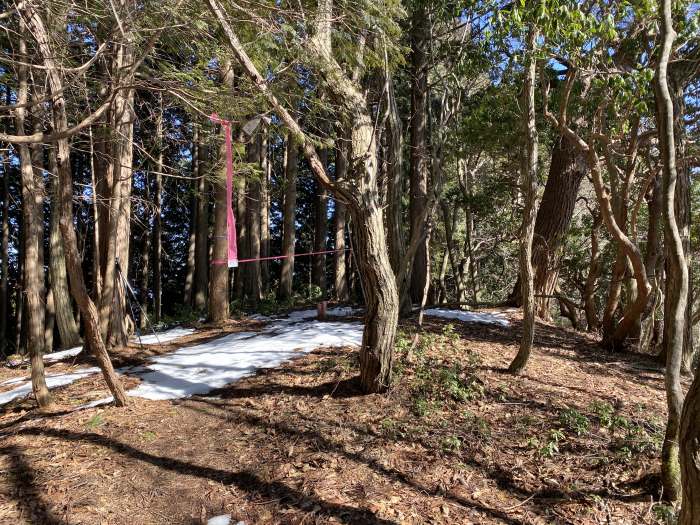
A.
pixel 288 227
pixel 360 192
pixel 253 272
pixel 158 220
pixel 339 223
pixel 566 171
pixel 318 269
pixel 529 190
pixel 594 269
pixel 265 165
pixel 32 213
pixel 689 445
pixel 4 265
pixel 219 282
pixel 420 272
pixel 65 183
pixel 65 319
pixel 676 295
pixel 201 281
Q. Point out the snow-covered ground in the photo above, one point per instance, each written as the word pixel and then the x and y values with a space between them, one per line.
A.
pixel 52 381
pixel 164 337
pixel 204 367
pixel 469 317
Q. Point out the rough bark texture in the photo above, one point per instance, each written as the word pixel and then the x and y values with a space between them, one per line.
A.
pixel 566 171
pixel 265 166
pixel 65 183
pixel 158 221
pixel 253 270
pixel 32 215
pixel 201 273
pixel 689 445
pixel 4 265
pixel 529 190
pixel 219 281
pixel 676 266
pixel 339 223
pixel 65 319
pixel 288 226
pixel 318 268
pixel 420 271
pixel 360 192
pixel 594 269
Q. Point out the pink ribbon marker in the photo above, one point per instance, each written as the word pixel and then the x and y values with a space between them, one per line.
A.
pixel 230 218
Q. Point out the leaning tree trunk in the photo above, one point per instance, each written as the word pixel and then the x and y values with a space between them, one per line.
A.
pixel 289 217
pixel 566 171
pixel 87 307
pixel 529 190
pixel 676 266
pixel 32 213
pixel 65 319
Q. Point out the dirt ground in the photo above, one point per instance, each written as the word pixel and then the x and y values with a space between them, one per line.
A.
pixel 457 440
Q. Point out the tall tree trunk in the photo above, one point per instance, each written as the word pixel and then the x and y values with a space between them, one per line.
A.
pixel 253 273
pixel 219 281
pixel 4 264
pixel 266 165
pixel 49 319
pixel 594 269
pixel 529 190
pixel 201 280
pixel 32 212
pixel 676 266
pixel 339 223
pixel 65 319
pixel 291 154
pixel 145 263
pixel 566 171
pixel 360 192
pixel 65 183
pixel 158 220
pixel 318 269
pixel 420 272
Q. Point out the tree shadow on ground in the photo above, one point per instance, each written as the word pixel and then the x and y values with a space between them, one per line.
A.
pixel 243 480
pixel 28 494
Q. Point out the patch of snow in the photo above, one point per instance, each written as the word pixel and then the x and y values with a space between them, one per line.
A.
pixel 63 354
pixel 207 366
pixel 224 519
pixel 469 317
pixel 165 336
pixel 52 381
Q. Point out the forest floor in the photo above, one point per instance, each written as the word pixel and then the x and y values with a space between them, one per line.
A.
pixel 575 439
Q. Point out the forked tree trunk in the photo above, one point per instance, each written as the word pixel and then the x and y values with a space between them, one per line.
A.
pixel 360 192
pixel 32 213
pixel 529 190
pixel 288 227
pixel 676 267
pixel 88 309
pixel 566 171
pixel 65 319
pixel 219 281
pixel 201 272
